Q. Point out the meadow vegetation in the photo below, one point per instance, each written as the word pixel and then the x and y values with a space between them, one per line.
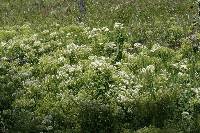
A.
pixel 127 66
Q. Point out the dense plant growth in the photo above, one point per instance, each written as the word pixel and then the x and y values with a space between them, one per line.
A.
pixel 133 75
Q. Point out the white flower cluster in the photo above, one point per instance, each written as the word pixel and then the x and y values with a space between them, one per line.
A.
pixel 183 75
pixel 185 115
pixel 34 37
pixel 138 45
pixel 47 121
pixel 37 43
pixel 110 46
pixel 127 79
pixel 155 47
pixel 54 34
pixel 94 32
pixel 127 95
pixel 164 75
pixel 31 82
pixel 118 26
pixel 69 69
pixel 100 63
pixel 61 59
pixel 71 48
pixel 181 66
pixel 45 32
pixel 105 29
pixel 148 69
pixel 196 91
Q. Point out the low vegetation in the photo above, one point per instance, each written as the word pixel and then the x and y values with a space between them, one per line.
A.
pixel 138 71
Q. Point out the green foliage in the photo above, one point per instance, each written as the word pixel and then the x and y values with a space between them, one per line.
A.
pixel 55 83
pixel 140 75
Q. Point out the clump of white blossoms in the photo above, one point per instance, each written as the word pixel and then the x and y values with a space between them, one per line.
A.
pixel 127 95
pixel 100 63
pixel 3 44
pixel 175 65
pixel 105 29
pixel 47 119
pixel 183 76
pixel 183 67
pixel 54 34
pixel 125 77
pixel 155 47
pixel 31 82
pixel 3 58
pixel 148 69
pixel 93 33
pixel 37 43
pixel 45 32
pixel 138 45
pixel 69 69
pixel 196 91
pixel 180 74
pixel 61 59
pixel 186 115
pixel 118 26
pixel 72 47
pixel 68 34
pixel 110 46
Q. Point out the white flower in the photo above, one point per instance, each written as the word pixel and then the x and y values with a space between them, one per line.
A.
pixel 94 30
pixel 72 47
pixel 138 86
pixel 105 29
pixel 130 56
pixel 53 34
pixel 155 47
pixel 61 59
pixel 37 43
pixel 97 63
pixel 186 115
pixel 34 36
pixel 71 69
pixel 117 7
pixel 123 74
pixel 150 68
pixel 175 65
pixel 180 74
pixel 184 67
pixel 118 63
pixel 68 34
pixel 122 98
pixel 118 26
pixel 49 128
pixel 3 44
pixel 143 70
pixel 92 57
pixel 110 45
pixel 81 24
pixel 138 45
pixel 45 31
pixel 196 90
pixel 183 75
pixel 4 58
